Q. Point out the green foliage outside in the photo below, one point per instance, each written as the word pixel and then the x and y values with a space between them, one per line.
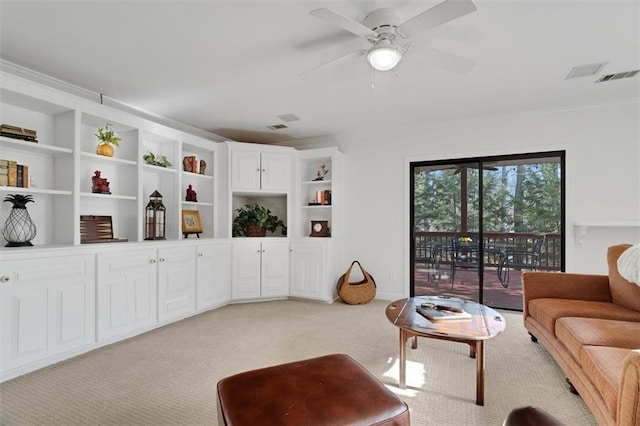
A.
pixel 523 198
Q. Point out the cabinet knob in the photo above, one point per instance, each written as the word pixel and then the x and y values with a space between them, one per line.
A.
pixel 200 255
pixel 161 259
pixel 4 279
pixel 263 170
pixel 258 169
pixel 258 251
pixel 152 261
pixel 262 250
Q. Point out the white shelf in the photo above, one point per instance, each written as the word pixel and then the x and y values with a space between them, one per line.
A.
pixel 316 182
pixel 196 175
pixel 107 160
pixel 317 207
pixel 582 227
pixel 158 169
pixel 196 204
pixel 41 191
pixel 108 196
pixel 33 147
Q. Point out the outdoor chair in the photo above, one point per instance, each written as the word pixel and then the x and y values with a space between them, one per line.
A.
pixel 465 253
pixel 525 258
pixel 429 255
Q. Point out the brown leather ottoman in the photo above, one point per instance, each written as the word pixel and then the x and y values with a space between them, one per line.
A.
pixel 329 390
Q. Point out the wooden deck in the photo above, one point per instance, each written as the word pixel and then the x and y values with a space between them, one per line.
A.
pixel 466 287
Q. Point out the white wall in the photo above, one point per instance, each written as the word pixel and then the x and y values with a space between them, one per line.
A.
pixel 603 180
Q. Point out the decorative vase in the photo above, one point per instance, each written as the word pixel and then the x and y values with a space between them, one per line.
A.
pixel 256 231
pixel 105 149
pixel 19 229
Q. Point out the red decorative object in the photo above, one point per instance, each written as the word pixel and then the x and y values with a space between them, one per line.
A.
pixel 191 194
pixel 100 184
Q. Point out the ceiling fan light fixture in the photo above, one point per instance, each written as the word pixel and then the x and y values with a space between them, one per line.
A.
pixel 384 55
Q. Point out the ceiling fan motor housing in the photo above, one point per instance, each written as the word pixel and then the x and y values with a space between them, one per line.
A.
pixel 384 21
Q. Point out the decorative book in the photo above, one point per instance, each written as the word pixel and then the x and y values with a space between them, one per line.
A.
pixel 443 309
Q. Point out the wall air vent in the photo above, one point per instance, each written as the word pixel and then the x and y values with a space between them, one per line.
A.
pixel 585 70
pixel 277 127
pixel 617 76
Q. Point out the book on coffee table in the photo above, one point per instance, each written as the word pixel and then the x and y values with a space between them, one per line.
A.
pixel 437 310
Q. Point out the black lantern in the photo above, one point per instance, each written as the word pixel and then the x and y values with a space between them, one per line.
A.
pixel 155 220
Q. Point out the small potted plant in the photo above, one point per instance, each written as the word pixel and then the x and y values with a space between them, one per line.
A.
pixel 254 220
pixel 107 138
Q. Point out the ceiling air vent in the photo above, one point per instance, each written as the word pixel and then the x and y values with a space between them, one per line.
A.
pixel 288 117
pixel 585 70
pixel 277 127
pixel 617 76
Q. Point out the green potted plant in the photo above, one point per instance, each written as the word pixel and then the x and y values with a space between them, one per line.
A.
pixel 107 138
pixel 254 220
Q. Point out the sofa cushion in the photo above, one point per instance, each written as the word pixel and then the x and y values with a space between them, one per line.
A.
pixel 623 292
pixel 546 311
pixel 603 365
pixel 576 332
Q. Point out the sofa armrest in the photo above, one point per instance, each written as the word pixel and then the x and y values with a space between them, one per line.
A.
pixel 629 392
pixel 563 285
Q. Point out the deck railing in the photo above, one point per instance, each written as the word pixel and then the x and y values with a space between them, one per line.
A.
pixel 549 256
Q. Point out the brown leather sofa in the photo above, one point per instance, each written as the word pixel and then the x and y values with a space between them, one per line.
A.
pixel 590 324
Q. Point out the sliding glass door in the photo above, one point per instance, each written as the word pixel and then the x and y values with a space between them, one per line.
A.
pixel 478 223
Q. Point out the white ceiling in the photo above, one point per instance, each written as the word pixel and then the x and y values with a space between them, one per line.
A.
pixel 231 67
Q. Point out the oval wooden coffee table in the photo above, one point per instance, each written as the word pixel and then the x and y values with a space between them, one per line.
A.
pixel 484 324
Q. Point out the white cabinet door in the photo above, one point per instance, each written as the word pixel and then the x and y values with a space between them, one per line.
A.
pixel 126 291
pixel 48 307
pixel 307 267
pixel 245 282
pixel 275 269
pixel 213 275
pixel 245 169
pixel 275 169
pixel 260 269
pixel 268 171
pixel 176 282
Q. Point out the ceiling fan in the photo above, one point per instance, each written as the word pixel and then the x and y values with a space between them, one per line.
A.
pixel 386 30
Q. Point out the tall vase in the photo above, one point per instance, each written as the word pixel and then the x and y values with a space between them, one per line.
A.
pixel 19 229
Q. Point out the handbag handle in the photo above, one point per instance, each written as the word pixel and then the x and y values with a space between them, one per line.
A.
pixel 365 275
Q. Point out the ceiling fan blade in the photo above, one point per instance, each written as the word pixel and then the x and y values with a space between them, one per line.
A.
pixel 332 62
pixel 334 18
pixel 450 62
pixel 441 13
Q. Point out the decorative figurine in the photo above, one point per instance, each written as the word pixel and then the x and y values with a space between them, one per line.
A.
pixel 322 172
pixel 100 184
pixel 203 166
pixel 191 194
pixel 186 162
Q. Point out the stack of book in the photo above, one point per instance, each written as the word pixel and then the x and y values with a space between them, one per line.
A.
pixel 323 197
pixel 15 132
pixel 14 174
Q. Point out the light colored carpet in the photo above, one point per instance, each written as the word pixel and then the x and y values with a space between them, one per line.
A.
pixel 169 375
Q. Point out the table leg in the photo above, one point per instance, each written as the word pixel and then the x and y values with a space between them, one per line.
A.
pixel 403 358
pixel 480 372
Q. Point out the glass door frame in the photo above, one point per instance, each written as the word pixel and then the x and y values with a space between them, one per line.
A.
pixel 479 162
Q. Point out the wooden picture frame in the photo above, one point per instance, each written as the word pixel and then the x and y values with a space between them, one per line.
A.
pixel 191 223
